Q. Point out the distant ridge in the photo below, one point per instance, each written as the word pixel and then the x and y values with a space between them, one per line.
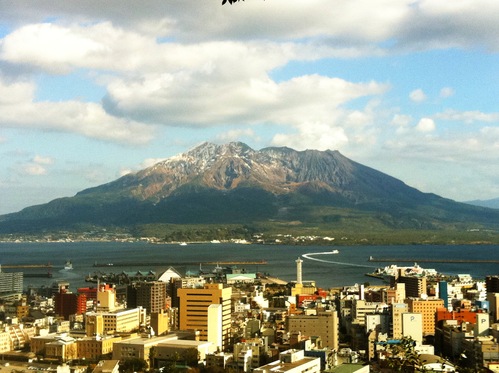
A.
pixel 489 203
pixel 232 183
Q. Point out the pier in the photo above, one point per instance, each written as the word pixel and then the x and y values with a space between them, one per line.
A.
pixel 156 264
pixel 16 266
pixel 427 260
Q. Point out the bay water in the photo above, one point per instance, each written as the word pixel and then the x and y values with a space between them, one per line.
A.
pixel 347 267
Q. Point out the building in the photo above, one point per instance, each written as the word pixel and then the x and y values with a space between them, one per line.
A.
pixel 323 325
pixel 94 348
pixel 160 322
pixel 194 304
pixel 187 351
pixel 65 304
pixel 4 342
pixel 107 366
pixel 151 296
pixel 292 361
pixel 120 321
pixel 412 326
pixel 250 354
pixel 428 308
pixel 492 284
pixel 415 286
pixel 398 309
pixel 139 348
pixel 11 284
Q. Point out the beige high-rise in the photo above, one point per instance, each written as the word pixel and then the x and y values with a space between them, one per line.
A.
pixel 193 310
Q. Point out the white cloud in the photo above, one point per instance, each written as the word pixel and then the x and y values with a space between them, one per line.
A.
pixel 34 169
pixel 401 120
pixel 426 125
pixel 37 166
pixel 38 159
pixel 468 116
pixel 417 95
pixel 236 135
pixel 446 92
pixel 18 109
pixel 319 136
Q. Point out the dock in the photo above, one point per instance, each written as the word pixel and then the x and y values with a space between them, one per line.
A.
pixel 427 260
pixel 156 264
pixel 17 266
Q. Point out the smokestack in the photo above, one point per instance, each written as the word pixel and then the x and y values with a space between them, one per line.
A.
pixel 298 271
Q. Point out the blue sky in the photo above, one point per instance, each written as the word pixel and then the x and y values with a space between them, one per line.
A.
pixel 91 90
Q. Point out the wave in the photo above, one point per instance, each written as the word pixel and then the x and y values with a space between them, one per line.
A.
pixel 309 256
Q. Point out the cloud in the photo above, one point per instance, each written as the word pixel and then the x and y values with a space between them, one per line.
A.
pixel 319 136
pixel 43 160
pixel 408 24
pixel 468 116
pixel 417 95
pixel 19 110
pixel 37 166
pixel 446 92
pixel 426 125
pixel 236 135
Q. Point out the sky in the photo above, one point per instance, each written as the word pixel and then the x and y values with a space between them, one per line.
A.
pixel 91 90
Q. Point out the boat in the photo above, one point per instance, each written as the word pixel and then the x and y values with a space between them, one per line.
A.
pixel 335 252
pixel 68 265
pixel 183 244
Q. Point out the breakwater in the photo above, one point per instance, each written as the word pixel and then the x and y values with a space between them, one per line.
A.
pixel 153 264
pixel 17 266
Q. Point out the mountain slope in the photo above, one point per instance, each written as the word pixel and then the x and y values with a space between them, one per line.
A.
pixel 233 183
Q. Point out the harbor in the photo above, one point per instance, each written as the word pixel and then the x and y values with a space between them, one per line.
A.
pixel 432 260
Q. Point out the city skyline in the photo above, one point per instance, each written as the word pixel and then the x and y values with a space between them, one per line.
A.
pixel 92 90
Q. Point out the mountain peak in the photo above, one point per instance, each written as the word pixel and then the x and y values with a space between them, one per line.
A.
pixel 230 182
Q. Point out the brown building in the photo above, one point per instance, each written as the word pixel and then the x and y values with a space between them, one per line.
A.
pixel 323 325
pixel 152 296
pixel 428 308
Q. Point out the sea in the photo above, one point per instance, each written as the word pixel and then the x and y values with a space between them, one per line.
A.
pixel 346 267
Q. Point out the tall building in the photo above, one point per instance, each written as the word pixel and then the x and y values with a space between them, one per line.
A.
pixel 415 286
pixel 65 304
pixel 398 309
pixel 11 284
pixel 412 326
pixel 492 284
pixel 193 310
pixel 151 296
pixel 323 325
pixel 428 308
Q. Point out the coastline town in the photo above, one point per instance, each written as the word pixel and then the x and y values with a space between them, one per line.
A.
pixel 230 320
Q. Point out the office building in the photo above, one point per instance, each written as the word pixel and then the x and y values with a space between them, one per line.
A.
pixel 428 308
pixel 151 296
pixel 323 325
pixel 194 304
pixel 11 284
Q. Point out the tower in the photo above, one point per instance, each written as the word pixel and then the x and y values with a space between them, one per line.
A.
pixel 299 279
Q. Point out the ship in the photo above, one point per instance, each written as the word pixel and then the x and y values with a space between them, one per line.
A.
pixel 68 265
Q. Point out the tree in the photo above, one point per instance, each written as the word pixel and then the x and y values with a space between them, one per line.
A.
pixel 402 357
pixel 133 364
